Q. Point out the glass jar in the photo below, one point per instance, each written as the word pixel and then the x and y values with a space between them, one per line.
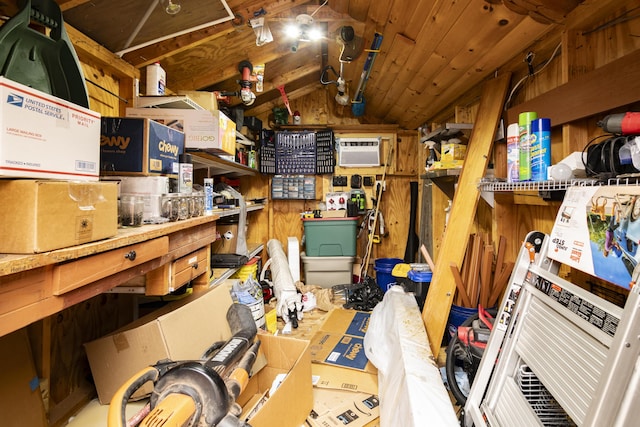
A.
pixel 169 207
pixel 131 210
pixel 198 204
pixel 183 206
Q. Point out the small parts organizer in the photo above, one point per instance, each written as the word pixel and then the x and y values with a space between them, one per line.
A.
pixel 302 187
pixel 298 153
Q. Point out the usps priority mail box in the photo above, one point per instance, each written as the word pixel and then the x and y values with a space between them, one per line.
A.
pixel 597 230
pixel 42 136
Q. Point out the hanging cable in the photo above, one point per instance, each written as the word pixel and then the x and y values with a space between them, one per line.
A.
pixel 528 59
pixel 324 75
pixel 314 12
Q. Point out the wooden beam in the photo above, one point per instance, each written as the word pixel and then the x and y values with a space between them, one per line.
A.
pixel 90 51
pixel 610 86
pixel 441 291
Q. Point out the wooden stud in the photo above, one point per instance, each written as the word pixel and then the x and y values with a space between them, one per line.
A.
pixel 440 295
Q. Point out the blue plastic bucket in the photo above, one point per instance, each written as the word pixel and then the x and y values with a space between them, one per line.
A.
pixel 383 268
pixel 457 316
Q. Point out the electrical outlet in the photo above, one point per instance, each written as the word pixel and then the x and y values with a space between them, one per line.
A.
pixel 368 181
pixel 383 184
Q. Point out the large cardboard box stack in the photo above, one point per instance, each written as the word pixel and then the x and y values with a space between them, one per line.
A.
pixel 204 130
pixel 139 147
pixel 44 215
pixel 183 331
pixel 42 136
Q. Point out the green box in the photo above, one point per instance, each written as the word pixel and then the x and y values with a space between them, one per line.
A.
pixel 330 236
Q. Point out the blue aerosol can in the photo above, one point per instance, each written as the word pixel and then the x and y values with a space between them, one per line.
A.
pixel 540 149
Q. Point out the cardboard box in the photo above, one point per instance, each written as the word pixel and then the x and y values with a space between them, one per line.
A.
pixel 334 214
pixel 293 398
pixel 40 216
pixel 597 231
pixel 340 408
pixel 338 378
pixel 340 341
pixel 183 330
pixel 206 100
pixel 453 151
pixel 177 332
pixel 42 136
pixel 139 147
pixel 20 396
pixel 203 130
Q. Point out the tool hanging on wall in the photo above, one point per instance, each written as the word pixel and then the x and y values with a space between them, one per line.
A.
pixel 357 103
pixel 245 93
pixel 351 48
pixel 285 99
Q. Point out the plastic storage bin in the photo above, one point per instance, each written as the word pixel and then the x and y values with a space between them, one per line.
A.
pixel 330 237
pixel 327 271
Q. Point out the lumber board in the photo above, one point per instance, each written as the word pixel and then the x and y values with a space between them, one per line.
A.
pixel 465 201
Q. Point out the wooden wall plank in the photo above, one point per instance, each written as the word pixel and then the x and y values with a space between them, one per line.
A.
pixel 588 94
pixel 440 295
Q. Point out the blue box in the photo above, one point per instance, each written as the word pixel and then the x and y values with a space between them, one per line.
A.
pixel 139 147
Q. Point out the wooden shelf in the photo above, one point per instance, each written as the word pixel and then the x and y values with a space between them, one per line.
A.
pixel 445 179
pixel 218 166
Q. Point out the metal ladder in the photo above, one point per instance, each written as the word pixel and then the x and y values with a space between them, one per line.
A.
pixel 558 355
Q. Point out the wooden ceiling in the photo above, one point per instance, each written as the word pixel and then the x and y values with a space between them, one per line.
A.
pixel 433 51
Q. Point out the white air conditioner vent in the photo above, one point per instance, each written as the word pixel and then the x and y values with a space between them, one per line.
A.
pixel 358 152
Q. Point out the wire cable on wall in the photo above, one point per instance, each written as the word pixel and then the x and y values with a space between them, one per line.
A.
pixel 522 80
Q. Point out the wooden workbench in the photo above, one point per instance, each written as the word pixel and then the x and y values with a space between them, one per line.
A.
pixel 33 286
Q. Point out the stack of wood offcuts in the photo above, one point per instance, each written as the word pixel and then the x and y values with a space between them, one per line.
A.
pixel 483 275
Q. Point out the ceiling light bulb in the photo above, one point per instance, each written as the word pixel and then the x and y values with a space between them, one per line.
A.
pixel 315 33
pixel 173 7
pixel 292 31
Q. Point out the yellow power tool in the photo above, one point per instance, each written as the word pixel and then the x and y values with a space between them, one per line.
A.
pixel 196 393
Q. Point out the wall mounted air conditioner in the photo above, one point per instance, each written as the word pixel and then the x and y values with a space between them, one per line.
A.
pixel 358 152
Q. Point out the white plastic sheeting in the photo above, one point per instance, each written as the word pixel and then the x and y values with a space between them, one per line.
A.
pixel 284 287
pixel 410 386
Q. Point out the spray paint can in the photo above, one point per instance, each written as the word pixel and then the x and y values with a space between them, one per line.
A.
pixel 513 153
pixel 540 149
pixel 208 196
pixel 524 144
pixel 185 174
